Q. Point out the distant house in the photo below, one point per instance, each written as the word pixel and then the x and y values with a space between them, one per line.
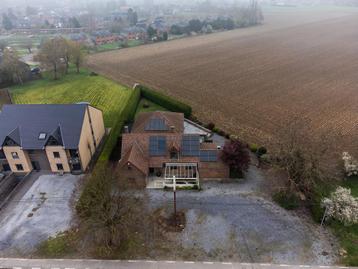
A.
pixel 80 38
pixel 135 33
pixel 160 146
pixel 57 138
pixel 104 37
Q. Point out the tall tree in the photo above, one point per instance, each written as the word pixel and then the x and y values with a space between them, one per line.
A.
pixel 76 55
pixel 52 54
pixel 6 22
pixel 132 17
pixel 13 66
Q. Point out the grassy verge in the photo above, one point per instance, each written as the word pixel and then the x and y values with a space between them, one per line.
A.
pixel 58 246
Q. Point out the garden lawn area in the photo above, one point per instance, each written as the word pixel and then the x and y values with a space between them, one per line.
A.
pixel 100 92
pixel 151 107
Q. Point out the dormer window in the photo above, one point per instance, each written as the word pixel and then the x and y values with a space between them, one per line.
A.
pixel 42 136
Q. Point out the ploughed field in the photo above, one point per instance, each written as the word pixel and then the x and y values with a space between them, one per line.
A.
pixel 251 81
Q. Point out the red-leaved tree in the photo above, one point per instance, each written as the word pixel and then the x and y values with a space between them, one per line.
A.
pixel 236 155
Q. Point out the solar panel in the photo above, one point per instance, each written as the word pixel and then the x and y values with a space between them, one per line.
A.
pixel 156 124
pixel 157 146
pixel 191 145
pixel 208 155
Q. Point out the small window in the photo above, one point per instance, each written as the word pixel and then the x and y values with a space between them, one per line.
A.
pixel 15 155
pixel 42 136
pixel 59 166
pixel 56 155
pixel 19 167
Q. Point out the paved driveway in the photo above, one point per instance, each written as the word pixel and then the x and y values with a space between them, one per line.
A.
pixel 44 210
pixel 232 221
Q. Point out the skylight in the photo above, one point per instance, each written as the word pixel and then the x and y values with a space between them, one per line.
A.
pixel 42 136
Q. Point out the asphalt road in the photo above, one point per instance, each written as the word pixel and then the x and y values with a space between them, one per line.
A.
pixel 109 264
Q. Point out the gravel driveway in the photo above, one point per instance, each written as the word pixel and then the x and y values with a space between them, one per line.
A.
pixel 231 221
pixel 43 211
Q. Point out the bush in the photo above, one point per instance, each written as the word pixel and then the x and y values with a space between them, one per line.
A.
pixel 221 132
pixel 210 126
pixel 253 147
pixel 286 200
pixel 261 151
pixel 165 101
pixel 216 130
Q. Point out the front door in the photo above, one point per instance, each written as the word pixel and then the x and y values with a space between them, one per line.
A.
pixel 36 165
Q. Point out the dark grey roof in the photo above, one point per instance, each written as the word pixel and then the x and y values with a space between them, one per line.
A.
pixel 24 123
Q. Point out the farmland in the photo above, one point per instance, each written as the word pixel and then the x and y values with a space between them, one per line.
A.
pixel 98 91
pixel 251 81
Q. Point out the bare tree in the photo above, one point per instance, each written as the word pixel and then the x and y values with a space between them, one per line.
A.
pixel 308 156
pixel 114 212
pixel 52 55
pixel 76 55
pixel 13 66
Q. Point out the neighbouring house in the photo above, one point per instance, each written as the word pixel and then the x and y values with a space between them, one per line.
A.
pixel 161 145
pixel 135 33
pixel 57 138
pixel 79 38
pixel 104 37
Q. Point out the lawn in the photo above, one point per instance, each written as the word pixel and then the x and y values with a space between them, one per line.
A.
pixel 100 92
pixel 148 106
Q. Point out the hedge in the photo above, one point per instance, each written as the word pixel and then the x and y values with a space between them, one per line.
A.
pixel 165 101
pixel 92 188
pixel 126 115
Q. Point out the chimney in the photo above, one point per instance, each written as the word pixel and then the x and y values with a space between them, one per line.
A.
pixel 126 129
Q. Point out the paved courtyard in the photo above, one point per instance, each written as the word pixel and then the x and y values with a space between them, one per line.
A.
pixel 44 210
pixel 232 221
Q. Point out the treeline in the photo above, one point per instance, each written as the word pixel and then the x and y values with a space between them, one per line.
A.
pixel 57 53
pixel 244 17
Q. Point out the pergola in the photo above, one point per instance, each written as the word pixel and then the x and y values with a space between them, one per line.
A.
pixel 184 173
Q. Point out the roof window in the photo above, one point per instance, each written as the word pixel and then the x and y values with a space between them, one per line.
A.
pixel 42 136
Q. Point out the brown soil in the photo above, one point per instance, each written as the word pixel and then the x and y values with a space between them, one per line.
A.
pixel 250 81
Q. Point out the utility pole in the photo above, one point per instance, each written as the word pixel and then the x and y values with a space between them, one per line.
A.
pixel 175 199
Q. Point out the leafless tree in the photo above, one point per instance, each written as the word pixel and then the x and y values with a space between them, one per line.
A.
pixel 116 211
pixel 13 66
pixel 52 55
pixel 308 156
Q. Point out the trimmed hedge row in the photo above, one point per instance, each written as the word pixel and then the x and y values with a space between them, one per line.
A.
pixel 165 101
pixel 127 114
pixel 92 188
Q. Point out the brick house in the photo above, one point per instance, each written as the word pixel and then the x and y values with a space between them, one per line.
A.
pixel 57 138
pixel 104 37
pixel 159 147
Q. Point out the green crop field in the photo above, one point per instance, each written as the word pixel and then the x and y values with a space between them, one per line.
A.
pixel 100 92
